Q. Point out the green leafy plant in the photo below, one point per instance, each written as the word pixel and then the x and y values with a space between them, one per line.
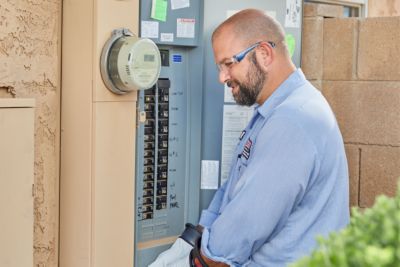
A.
pixel 372 239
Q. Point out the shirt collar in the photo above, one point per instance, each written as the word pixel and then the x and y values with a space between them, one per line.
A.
pixel 294 81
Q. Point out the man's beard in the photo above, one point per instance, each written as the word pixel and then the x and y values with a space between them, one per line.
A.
pixel 250 89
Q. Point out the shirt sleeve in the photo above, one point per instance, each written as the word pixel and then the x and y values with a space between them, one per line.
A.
pixel 209 215
pixel 270 185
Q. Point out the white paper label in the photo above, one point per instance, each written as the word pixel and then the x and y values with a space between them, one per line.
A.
pixel 292 18
pixel 235 121
pixel 167 37
pixel 185 28
pixel 177 4
pixel 149 29
pixel 209 174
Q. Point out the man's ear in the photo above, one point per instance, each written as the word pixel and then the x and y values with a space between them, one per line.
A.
pixel 265 55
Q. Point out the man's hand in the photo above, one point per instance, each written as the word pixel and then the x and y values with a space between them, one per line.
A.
pixel 179 250
pixel 183 262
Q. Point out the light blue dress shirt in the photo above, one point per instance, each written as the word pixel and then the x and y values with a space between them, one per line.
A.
pixel 288 182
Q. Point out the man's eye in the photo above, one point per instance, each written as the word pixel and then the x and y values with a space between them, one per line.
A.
pixel 228 64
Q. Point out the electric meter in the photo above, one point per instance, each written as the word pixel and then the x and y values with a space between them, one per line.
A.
pixel 129 63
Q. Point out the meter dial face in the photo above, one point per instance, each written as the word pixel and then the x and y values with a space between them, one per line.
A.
pixel 129 63
pixel 137 65
pixel 144 63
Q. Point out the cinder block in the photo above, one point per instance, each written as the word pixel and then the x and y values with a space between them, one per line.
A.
pixel 322 10
pixel 383 8
pixel 312 48
pixel 367 112
pixel 353 160
pixel 378 53
pixel 380 172
pixel 340 49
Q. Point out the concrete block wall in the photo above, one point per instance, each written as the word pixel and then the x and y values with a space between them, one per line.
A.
pixel 383 8
pixel 322 10
pixel 312 44
pixel 360 78
pixel 340 49
pixel 378 53
pixel 313 39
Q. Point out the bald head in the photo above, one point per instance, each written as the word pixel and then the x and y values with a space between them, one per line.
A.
pixel 250 26
pixel 260 67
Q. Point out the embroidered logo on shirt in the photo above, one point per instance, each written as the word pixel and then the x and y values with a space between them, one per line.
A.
pixel 247 148
pixel 242 134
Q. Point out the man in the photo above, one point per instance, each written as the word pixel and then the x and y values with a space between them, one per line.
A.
pixel 288 181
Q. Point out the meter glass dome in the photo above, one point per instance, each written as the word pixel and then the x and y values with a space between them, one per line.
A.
pixel 145 63
pixel 129 63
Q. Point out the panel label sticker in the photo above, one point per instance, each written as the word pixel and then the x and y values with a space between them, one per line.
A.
pixel 292 17
pixel 149 29
pixel 185 28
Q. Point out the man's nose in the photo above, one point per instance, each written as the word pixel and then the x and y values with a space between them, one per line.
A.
pixel 223 76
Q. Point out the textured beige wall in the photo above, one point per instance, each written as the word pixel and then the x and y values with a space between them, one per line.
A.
pixel 383 8
pixel 30 67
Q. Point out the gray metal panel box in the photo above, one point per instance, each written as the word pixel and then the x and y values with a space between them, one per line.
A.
pixel 193 12
pixel 158 223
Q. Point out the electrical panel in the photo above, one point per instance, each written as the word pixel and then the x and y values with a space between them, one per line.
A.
pixel 167 156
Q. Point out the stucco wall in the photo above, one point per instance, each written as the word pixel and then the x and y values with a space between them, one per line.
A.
pixel 30 34
pixel 383 8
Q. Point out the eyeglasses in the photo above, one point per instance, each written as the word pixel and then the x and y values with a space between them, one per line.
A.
pixel 227 64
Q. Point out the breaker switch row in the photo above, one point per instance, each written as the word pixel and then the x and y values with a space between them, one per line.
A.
pixel 148 154
pixel 162 154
